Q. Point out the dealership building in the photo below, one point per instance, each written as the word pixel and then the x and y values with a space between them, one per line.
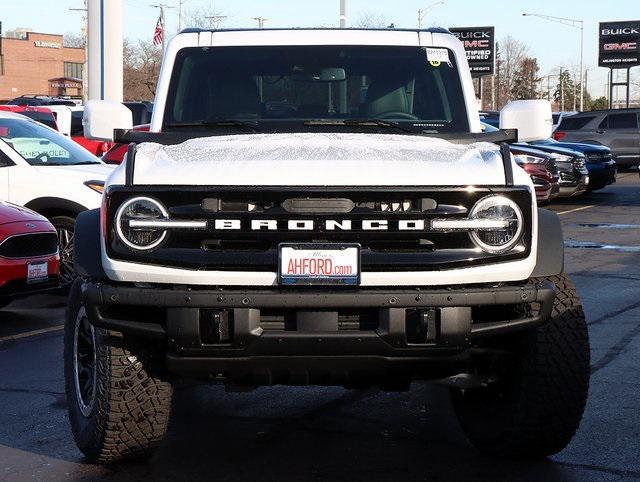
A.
pixel 38 64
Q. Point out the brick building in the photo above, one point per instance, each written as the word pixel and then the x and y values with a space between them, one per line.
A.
pixel 38 64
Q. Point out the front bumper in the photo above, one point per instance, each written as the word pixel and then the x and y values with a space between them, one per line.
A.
pixel 573 183
pixel 272 333
pixel 13 277
pixel 602 174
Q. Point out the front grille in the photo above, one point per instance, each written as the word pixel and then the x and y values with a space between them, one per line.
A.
pixel 394 249
pixel 599 157
pixel 29 245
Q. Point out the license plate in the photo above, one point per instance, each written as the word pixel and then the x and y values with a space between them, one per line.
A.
pixel 37 272
pixel 319 264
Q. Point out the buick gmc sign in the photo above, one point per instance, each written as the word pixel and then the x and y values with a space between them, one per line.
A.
pixel 619 44
pixel 479 44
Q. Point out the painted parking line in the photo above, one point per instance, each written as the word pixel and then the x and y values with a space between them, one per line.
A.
pixel 28 334
pixel 581 208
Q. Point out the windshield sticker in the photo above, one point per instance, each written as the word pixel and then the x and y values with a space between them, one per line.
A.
pixel 38 148
pixel 437 56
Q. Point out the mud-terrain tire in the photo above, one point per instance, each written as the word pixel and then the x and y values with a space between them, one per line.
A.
pixel 125 413
pixel 535 410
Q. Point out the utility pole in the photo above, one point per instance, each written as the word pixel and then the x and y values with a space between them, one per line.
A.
pixel 216 20
pixel 423 12
pixel 180 3
pixel 343 13
pixel 261 21
pixel 574 23
pixel 85 30
pixel 561 91
pixel 163 20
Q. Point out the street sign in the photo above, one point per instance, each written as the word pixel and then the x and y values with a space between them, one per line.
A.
pixel 619 44
pixel 479 44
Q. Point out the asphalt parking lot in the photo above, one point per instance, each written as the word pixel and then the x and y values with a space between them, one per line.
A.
pixel 279 434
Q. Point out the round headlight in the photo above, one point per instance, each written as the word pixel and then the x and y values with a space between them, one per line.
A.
pixel 497 208
pixel 140 209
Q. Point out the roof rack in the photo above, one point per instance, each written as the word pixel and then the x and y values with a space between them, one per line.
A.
pixel 428 30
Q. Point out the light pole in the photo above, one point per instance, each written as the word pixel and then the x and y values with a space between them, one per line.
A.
pixel 423 12
pixel 216 20
pixel 343 13
pixel 180 3
pixel 261 21
pixel 575 23
pixel 85 21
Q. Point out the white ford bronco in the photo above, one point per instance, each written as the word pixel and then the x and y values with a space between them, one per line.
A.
pixel 321 207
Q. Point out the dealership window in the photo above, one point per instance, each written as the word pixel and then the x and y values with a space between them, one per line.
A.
pixel 73 70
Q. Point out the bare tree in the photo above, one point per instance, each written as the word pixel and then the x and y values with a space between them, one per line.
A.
pixel 369 19
pixel 203 17
pixel 511 54
pixel 73 40
pixel 141 69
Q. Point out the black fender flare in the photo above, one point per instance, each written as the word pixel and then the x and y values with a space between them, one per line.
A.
pixel 550 254
pixel 43 204
pixel 87 246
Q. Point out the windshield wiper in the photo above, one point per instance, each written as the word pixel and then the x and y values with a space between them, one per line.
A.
pixel 222 123
pixel 363 123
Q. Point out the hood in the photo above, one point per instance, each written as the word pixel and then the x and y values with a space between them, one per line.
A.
pixel 313 159
pixel 552 148
pixel 575 146
pixel 86 172
pixel 532 150
pixel 11 213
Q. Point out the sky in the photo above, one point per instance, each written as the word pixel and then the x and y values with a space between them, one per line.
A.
pixel 553 44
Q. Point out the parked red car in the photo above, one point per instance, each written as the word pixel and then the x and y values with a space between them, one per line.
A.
pixel 542 168
pixel 29 258
pixel 116 154
pixel 43 115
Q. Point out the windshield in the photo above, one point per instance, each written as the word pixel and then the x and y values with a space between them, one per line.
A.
pixel 43 118
pixel 266 85
pixel 40 146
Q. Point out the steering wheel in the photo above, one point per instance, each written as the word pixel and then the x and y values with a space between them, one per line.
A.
pixel 43 158
pixel 396 115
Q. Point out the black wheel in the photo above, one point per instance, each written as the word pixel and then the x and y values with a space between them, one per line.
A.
pixel 119 405
pixel 65 226
pixel 536 406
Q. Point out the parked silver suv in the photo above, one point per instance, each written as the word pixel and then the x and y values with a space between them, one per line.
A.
pixel 617 129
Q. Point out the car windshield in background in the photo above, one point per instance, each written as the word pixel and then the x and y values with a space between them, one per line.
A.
pixel 405 86
pixel 40 146
pixel 43 118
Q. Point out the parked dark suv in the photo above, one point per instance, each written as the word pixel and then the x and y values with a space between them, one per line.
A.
pixel 617 129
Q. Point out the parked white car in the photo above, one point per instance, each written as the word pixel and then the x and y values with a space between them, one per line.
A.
pixel 50 174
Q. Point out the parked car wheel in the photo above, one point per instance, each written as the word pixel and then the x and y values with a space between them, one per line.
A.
pixel 119 406
pixel 65 226
pixel 536 407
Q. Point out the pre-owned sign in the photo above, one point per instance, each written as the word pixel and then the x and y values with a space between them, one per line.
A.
pixel 479 44
pixel 619 44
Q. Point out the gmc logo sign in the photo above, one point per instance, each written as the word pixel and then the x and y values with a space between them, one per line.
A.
pixel 476 44
pixel 621 46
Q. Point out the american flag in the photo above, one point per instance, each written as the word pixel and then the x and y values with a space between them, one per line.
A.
pixel 158 34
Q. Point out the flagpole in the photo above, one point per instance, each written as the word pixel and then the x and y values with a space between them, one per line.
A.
pixel 164 36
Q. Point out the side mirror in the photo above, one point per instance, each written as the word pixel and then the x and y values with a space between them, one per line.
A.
pixel 101 117
pixel 532 118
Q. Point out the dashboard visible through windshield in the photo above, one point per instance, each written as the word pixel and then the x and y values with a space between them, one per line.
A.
pixel 416 88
